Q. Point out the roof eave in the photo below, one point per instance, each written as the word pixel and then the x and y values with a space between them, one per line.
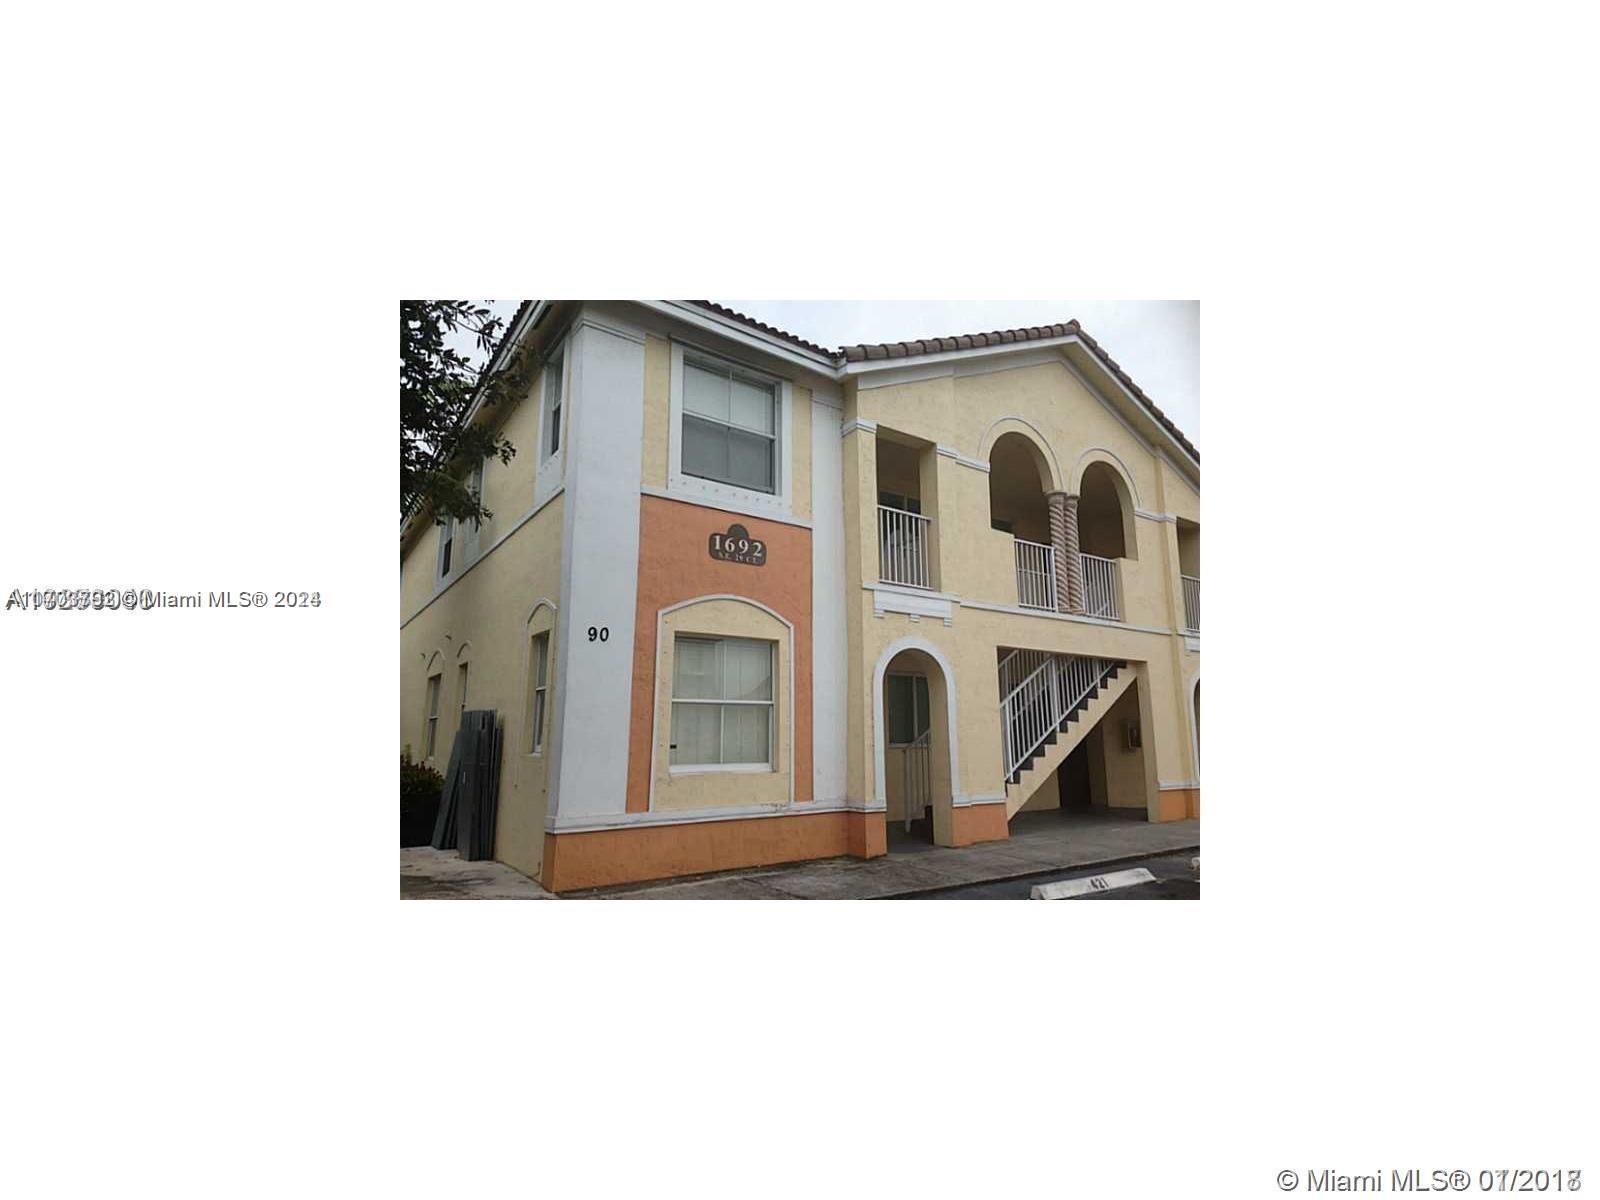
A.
pixel 1091 359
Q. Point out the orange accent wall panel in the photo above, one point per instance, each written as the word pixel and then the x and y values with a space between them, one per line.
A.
pixel 675 564
pixel 978 823
pixel 573 861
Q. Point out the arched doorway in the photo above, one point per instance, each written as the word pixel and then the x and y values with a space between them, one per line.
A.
pixel 916 761
pixel 1194 705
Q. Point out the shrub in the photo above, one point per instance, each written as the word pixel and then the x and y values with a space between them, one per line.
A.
pixel 420 787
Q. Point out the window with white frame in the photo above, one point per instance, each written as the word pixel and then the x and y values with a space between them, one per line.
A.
pixel 538 689
pixel 730 424
pixel 908 708
pixel 722 706
pixel 447 544
pixel 552 401
pixel 431 733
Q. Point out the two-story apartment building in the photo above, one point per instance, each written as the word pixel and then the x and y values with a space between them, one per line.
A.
pixel 747 600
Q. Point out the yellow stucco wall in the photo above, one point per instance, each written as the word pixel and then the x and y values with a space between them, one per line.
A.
pixel 1072 428
pixel 486 613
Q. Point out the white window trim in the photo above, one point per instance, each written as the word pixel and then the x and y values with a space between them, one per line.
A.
pixel 887 675
pixel 472 530
pixel 447 535
pixel 771 705
pixel 778 502
pixel 542 712
pixel 549 469
pixel 430 715
pixel 721 768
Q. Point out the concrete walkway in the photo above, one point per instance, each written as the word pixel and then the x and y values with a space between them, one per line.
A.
pixel 429 874
pixel 1039 843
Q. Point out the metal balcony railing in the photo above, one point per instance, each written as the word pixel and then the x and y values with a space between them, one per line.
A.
pixel 903 547
pixel 1191 603
pixel 1036 575
pixel 1102 589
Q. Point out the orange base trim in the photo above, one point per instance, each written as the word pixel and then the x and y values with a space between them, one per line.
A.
pixel 978 823
pixel 602 857
pixel 1180 804
pixel 869 834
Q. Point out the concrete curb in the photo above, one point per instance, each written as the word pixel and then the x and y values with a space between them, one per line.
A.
pixel 1084 866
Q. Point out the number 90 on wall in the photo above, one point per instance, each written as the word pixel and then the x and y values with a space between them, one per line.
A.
pixel 599 633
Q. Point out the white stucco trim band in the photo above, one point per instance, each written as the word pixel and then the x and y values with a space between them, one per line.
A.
pixel 1074 617
pixel 1180 786
pixel 979 798
pixel 696 816
pixel 723 505
pixel 977 464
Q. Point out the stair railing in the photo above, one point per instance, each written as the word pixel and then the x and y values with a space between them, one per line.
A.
pixel 1031 713
pixel 1017 666
pixel 918 791
pixel 1036 707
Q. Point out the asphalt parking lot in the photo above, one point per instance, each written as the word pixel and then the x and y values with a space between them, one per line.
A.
pixel 1175 879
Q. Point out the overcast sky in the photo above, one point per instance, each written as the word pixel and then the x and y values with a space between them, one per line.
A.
pixel 1157 342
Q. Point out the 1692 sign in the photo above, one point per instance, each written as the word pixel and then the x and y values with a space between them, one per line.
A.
pixel 738 546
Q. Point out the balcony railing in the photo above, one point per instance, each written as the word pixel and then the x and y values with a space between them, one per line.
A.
pixel 1036 575
pixel 903 547
pixel 1102 592
pixel 1191 603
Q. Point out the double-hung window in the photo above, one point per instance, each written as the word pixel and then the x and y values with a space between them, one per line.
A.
pixel 730 423
pixel 431 736
pixel 552 402
pixel 722 709
pixel 908 708
pixel 538 684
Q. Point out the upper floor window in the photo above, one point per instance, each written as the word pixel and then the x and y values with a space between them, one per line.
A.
pixel 447 544
pixel 552 402
pixel 730 421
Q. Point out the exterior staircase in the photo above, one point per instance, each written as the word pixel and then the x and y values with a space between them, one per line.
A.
pixel 1049 703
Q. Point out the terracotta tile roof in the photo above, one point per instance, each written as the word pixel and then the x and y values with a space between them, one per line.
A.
pixel 721 310
pixel 879 351
pixel 961 341
pixel 972 341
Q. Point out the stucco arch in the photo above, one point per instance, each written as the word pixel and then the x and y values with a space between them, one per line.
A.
pixel 880 742
pixel 1045 458
pixel 436 659
pixel 723 790
pixel 462 651
pixel 1130 493
pixel 541 602
pixel 1194 721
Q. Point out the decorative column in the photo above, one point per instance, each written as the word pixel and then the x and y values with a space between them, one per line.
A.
pixel 1064 537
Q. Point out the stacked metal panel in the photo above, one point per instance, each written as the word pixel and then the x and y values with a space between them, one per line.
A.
pixel 471 796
